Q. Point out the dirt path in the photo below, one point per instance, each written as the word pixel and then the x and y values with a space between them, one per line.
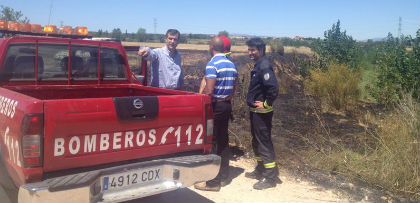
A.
pixel 240 190
pixel 291 190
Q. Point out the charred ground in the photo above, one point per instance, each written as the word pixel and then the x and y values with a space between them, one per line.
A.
pixel 297 119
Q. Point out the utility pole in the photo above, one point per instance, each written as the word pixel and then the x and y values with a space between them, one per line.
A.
pixel 399 27
pixel 155 24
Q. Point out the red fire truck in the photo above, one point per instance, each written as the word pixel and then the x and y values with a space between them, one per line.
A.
pixel 78 126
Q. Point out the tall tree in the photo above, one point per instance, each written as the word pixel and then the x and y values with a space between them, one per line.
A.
pixel 116 33
pixel 223 33
pixel 141 35
pixel 10 14
pixel 338 47
pixel 100 33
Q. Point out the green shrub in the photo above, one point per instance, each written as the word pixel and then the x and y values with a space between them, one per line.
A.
pixel 398 70
pixel 337 87
pixel 337 47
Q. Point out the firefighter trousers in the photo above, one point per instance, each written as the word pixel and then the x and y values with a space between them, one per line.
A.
pixel 263 145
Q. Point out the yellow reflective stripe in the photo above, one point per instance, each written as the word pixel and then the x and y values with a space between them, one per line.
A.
pixel 270 165
pixel 266 105
pixel 228 53
pixel 258 158
pixel 264 110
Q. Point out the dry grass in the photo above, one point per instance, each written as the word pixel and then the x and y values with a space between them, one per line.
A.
pixel 386 154
pixel 337 87
pixel 299 50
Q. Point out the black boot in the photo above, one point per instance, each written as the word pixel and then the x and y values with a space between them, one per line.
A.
pixel 264 183
pixel 256 174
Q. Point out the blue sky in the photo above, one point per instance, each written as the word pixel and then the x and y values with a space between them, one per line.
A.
pixel 362 19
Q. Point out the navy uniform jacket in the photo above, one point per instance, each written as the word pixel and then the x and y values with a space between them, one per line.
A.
pixel 263 85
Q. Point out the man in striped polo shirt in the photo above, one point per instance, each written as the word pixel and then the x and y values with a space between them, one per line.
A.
pixel 219 83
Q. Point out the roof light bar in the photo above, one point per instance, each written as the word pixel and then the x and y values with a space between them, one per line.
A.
pixel 50 29
pixel 81 30
pixel 15 28
pixel 66 30
pixel 3 25
pixel 36 28
pixel 24 27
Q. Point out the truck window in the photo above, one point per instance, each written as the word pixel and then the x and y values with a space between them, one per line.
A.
pixel 84 62
pixel 55 57
pixel 19 63
pixel 112 65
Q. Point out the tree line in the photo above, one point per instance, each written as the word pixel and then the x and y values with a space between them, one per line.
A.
pixel 142 36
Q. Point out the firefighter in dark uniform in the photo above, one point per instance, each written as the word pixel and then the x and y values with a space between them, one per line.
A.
pixel 263 90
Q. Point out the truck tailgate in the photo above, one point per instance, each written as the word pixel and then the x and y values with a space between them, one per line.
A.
pixel 88 132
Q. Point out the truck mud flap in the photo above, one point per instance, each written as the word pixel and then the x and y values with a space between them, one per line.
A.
pixel 144 108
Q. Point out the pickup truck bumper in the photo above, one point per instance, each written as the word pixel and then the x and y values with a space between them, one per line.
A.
pixel 92 186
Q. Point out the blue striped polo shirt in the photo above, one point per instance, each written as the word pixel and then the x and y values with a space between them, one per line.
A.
pixel 225 73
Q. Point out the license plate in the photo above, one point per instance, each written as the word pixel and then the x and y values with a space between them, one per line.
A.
pixel 131 178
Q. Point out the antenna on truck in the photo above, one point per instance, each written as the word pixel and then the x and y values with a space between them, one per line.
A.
pixel 49 17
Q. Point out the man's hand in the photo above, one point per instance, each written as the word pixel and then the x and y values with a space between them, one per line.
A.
pixel 143 52
pixel 259 104
pixel 202 85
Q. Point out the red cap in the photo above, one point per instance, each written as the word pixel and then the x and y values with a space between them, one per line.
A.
pixel 226 44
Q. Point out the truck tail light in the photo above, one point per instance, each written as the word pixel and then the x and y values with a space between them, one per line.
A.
pixel 32 136
pixel 209 124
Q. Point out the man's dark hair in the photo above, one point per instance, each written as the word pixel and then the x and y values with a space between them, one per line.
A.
pixel 257 42
pixel 173 32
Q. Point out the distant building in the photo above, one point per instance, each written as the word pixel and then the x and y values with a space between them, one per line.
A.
pixel 237 37
pixel 299 38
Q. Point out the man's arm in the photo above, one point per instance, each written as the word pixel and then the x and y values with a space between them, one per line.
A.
pixel 181 80
pixel 233 90
pixel 202 85
pixel 209 87
pixel 271 87
pixel 148 53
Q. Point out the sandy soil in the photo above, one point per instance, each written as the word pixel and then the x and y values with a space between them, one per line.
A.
pixel 291 190
pixel 302 184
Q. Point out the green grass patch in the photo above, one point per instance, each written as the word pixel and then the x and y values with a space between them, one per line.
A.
pixel 368 75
